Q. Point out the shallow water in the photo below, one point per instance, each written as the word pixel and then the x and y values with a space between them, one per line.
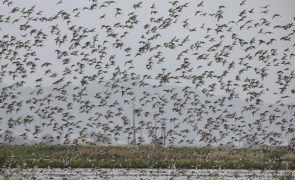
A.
pixel 144 174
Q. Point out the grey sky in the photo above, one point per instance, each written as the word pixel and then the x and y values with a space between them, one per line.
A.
pixel 189 26
pixel 91 20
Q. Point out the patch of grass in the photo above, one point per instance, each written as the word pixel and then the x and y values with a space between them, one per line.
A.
pixel 3 157
pixel 145 157
pixel 274 153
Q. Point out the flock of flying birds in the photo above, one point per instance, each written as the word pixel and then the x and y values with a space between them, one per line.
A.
pixel 174 73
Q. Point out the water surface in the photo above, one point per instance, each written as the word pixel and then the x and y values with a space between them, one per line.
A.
pixel 132 174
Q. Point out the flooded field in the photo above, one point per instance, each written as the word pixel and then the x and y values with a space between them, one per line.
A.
pixel 130 174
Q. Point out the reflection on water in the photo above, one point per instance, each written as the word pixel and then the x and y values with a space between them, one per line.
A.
pixel 129 174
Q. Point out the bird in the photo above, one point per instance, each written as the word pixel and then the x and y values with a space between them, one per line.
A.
pixel 164 74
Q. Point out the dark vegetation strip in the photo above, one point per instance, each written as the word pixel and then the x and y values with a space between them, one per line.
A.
pixel 145 157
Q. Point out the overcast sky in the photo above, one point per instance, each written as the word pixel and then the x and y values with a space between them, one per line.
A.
pixel 91 19
pixel 194 24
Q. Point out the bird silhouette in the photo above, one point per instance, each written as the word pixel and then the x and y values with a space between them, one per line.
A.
pixel 146 72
